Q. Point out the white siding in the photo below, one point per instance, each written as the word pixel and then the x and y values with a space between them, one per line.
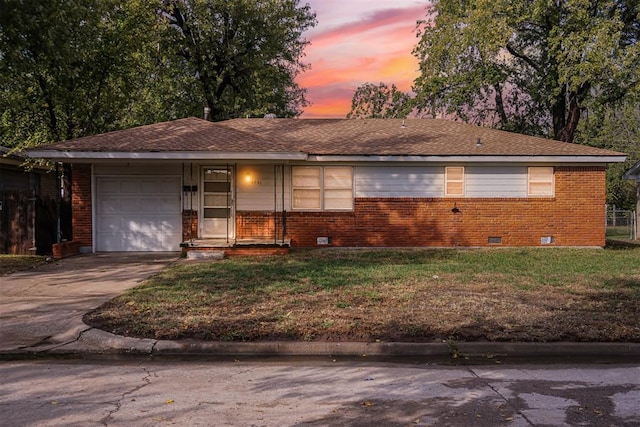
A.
pixel 399 181
pixel 130 170
pixel 255 188
pixel 496 181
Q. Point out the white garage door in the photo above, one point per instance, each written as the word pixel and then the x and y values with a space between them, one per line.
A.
pixel 138 214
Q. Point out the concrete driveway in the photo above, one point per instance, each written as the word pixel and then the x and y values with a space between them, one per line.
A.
pixel 43 308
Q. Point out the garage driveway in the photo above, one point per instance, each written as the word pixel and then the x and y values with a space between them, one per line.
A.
pixel 43 308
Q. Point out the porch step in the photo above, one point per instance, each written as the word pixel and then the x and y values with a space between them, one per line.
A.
pixel 210 254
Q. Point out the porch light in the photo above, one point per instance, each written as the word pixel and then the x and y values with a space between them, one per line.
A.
pixel 248 178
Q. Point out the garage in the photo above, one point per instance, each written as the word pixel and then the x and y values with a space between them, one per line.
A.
pixel 138 214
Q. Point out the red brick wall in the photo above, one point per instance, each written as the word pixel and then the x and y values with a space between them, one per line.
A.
pixel 255 225
pixel 81 205
pixel 574 217
pixel 189 225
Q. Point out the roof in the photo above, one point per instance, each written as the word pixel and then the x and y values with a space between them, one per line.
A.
pixel 6 156
pixel 633 174
pixel 324 139
pixel 190 134
pixel 403 137
pixel 6 152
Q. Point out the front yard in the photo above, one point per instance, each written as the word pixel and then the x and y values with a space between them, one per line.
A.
pixel 390 295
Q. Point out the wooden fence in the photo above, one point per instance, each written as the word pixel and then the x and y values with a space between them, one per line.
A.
pixel 28 224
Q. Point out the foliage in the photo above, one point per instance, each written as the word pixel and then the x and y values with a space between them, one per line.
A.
pixel 243 55
pixel 615 127
pixel 69 68
pixel 72 68
pixel 528 66
pixel 379 102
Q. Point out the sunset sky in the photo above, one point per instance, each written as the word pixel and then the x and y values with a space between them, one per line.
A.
pixel 355 42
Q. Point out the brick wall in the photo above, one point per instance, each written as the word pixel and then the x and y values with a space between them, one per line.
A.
pixel 255 225
pixel 189 224
pixel 81 205
pixel 574 217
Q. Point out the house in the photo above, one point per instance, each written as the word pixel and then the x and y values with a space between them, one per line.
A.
pixel 633 174
pixel 27 206
pixel 347 183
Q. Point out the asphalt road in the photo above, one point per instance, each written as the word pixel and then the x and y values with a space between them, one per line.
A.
pixel 320 392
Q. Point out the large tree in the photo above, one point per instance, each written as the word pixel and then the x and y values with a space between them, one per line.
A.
pixel 70 68
pixel 615 127
pixel 531 66
pixel 243 54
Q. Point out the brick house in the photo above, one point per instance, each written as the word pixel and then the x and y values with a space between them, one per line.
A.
pixel 351 183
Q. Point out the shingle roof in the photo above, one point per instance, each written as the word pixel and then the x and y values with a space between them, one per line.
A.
pixel 190 134
pixel 430 137
pixel 5 152
pixel 362 137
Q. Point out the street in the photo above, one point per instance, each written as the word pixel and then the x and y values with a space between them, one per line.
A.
pixel 314 392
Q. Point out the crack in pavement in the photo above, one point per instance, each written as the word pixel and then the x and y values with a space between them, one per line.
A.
pixel 42 342
pixel 502 396
pixel 118 403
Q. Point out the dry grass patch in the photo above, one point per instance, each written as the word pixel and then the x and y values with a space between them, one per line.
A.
pixel 390 295
pixel 12 263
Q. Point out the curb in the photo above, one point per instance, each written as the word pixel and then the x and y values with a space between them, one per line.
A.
pixel 99 342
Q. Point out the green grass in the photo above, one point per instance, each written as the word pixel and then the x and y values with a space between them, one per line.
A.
pixel 12 263
pixel 403 295
pixel 623 232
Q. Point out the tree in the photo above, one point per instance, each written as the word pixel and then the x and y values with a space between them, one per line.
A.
pixel 380 102
pixel 243 54
pixel 531 66
pixel 615 127
pixel 70 68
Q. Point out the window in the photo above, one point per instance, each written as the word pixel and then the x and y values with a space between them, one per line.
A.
pixel 540 181
pixel 454 181
pixel 322 188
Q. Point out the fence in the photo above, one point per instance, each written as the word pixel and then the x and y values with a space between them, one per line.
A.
pixel 29 224
pixel 621 223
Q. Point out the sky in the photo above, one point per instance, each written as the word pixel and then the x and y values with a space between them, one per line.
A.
pixel 355 42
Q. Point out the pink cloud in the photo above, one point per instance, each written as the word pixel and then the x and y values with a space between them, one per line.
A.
pixel 375 48
pixel 371 23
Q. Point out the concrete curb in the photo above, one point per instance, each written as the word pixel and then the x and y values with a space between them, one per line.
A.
pixel 95 341
pixel 400 349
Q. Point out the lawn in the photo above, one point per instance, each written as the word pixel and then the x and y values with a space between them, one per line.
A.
pixel 533 295
pixel 13 263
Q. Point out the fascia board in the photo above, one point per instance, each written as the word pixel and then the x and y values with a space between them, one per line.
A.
pixel 170 155
pixel 470 159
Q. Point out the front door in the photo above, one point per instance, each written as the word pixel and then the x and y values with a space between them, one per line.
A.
pixel 217 213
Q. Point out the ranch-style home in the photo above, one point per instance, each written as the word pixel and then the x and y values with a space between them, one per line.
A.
pixel 194 184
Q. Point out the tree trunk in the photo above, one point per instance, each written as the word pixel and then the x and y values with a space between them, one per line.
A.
pixel 573 117
pixel 558 110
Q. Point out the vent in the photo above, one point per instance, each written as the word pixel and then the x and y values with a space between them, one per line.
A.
pixel 323 241
pixel 546 240
pixel 494 240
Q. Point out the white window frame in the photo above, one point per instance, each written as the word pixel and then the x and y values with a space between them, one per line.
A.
pixel 323 188
pixel 447 180
pixel 549 179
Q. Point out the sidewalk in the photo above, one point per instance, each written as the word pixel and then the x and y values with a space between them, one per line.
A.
pixel 41 314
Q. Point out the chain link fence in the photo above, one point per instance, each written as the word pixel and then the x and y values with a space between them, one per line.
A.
pixel 621 223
